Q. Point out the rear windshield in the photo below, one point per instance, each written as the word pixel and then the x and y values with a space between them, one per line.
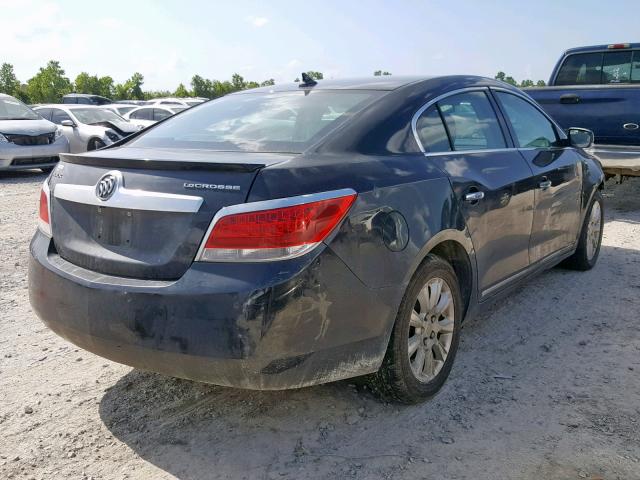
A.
pixel 13 109
pixel 259 122
pixel 621 66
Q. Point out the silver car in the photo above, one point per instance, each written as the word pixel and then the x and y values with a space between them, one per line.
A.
pixel 26 139
pixel 87 127
pixel 120 108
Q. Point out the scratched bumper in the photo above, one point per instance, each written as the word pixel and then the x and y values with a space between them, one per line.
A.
pixel 260 326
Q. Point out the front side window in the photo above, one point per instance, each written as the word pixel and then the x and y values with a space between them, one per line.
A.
pixel 431 131
pixel 580 69
pixel 259 122
pixel 59 115
pixel 13 109
pixel 142 114
pixel 160 114
pixel 92 116
pixel 531 128
pixel 471 122
pixel 616 67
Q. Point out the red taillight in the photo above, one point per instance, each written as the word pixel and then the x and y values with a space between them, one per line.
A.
pixel 44 220
pixel 616 46
pixel 44 207
pixel 261 233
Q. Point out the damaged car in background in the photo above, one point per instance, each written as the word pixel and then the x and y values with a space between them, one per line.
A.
pixel 87 127
pixel 26 139
pixel 287 236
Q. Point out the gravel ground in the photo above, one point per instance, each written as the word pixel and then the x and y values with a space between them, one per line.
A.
pixel 545 386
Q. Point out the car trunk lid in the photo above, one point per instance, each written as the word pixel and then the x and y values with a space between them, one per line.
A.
pixel 152 221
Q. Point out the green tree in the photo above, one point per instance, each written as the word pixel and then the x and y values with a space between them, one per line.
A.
pixel 9 83
pixel 268 83
pixel 181 91
pixel 315 75
pixel 500 76
pixel 527 83
pixel 201 87
pixel 85 83
pixel 238 82
pixel 380 73
pixel 541 83
pixel 49 84
pixel 136 81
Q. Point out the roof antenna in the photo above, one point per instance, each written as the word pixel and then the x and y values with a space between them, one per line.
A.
pixel 307 81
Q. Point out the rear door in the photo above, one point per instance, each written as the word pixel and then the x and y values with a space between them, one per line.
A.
pixel 557 175
pixel 491 180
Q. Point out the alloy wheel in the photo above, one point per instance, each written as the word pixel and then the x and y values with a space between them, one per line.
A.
pixel 431 329
pixel 593 230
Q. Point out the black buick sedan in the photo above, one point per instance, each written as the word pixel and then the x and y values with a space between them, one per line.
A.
pixel 299 234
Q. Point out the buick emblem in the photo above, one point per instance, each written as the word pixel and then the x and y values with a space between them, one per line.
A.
pixel 106 186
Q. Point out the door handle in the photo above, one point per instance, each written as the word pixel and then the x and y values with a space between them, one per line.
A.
pixel 545 183
pixel 631 126
pixel 473 196
pixel 569 98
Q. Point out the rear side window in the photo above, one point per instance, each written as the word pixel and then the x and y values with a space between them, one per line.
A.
pixel 431 131
pixel 532 129
pixel 635 67
pixel 616 67
pixel 600 68
pixel 259 122
pixel 471 122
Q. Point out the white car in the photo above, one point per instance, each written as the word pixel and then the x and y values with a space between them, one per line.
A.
pixel 150 114
pixel 120 108
pixel 26 139
pixel 87 127
pixel 173 101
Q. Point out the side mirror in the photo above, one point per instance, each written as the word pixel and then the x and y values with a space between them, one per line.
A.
pixel 580 137
pixel 68 123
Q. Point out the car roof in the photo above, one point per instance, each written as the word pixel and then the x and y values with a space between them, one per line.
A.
pixel 598 48
pixel 72 106
pixel 384 83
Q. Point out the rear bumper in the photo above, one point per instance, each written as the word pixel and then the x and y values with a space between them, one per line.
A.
pixel 259 326
pixel 18 157
pixel 618 159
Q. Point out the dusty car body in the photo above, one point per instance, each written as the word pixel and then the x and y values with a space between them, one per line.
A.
pixel 26 139
pixel 305 233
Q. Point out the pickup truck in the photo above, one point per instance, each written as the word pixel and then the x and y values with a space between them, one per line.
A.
pixel 598 88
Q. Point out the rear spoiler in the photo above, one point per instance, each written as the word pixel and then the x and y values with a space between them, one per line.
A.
pixel 141 163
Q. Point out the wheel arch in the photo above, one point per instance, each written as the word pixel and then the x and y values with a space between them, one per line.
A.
pixel 455 247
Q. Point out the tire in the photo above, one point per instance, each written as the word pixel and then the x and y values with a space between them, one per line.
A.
pixel 397 378
pixel 586 255
pixel 95 144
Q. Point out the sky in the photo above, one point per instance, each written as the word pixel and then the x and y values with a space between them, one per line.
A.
pixel 169 41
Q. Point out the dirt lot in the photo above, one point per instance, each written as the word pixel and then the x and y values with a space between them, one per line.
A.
pixel 545 386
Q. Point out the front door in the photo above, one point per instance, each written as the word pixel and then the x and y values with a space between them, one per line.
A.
pixel 491 181
pixel 557 176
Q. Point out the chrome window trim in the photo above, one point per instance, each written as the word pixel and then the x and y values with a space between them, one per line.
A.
pixel 269 205
pixel 414 119
pixel 127 198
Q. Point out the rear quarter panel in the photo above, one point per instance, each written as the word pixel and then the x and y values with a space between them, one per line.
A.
pixel 406 184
